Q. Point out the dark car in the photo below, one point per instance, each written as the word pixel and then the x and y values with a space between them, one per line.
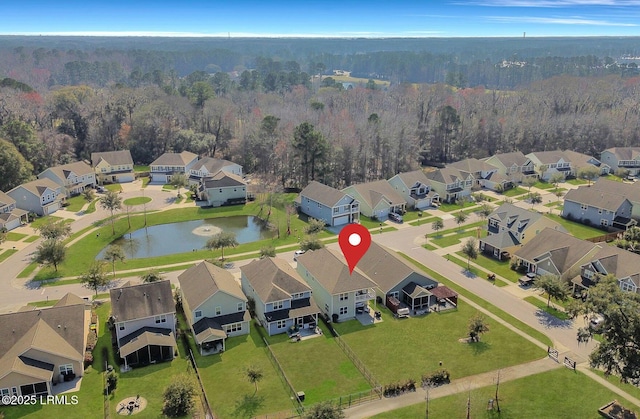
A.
pixel 395 217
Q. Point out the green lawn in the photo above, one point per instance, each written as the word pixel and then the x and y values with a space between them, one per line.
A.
pixel 502 268
pixel 75 203
pixel 542 305
pixel 424 220
pixel 227 386
pixel 31 239
pixel 462 228
pixel 92 207
pixel 26 272
pixel 482 303
pixel 114 187
pixel 615 380
pixel 561 393
pixel 138 200
pixel 140 168
pixel 577 182
pixel 15 237
pixel 455 207
pixel 455 238
pixel 169 187
pixel 613 178
pixel 43 220
pixel 334 374
pixel 578 230
pixel 5 255
pixel 461 260
pixel 514 192
pixel 399 349
pixel 430 247
pixel 145 181
pixel 543 185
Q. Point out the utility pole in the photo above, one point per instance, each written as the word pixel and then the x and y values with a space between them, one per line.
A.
pixel 497 386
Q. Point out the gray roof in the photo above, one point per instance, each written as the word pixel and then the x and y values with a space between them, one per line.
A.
pixel 174 159
pixel 273 279
pixel 630 191
pixel 38 186
pixel 374 192
pixel 563 249
pixel 501 240
pixel 80 168
pixel 625 153
pixel 472 165
pixel 414 290
pixel 330 269
pixel 113 158
pixel 514 158
pixel 411 178
pixel 6 199
pixel 619 262
pixel 580 160
pixel 597 198
pixel 548 157
pixel 141 301
pixel 212 164
pixel 387 269
pixel 146 336
pixel 323 194
pixel 510 216
pixel 223 180
pixel 201 281
pixel 446 175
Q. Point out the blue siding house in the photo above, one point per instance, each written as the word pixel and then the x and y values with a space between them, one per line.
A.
pixel 598 208
pixel 328 204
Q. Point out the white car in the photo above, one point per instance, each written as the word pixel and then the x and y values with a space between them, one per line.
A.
pixel 298 253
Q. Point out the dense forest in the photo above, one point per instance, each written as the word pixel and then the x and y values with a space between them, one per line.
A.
pixel 272 106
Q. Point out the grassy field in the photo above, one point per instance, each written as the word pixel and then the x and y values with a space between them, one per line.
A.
pixel 430 247
pixel 560 393
pixel 482 303
pixel 15 237
pixel 542 305
pixel 92 207
pixel 114 187
pixel 75 203
pixel 543 185
pixel 397 349
pixel 140 168
pixel 517 191
pixel 43 220
pixel 577 182
pixel 424 220
pixel 318 367
pixel 455 238
pixel 497 267
pixel 5 255
pixel 455 207
pixel 461 260
pixel 138 200
pixel 356 80
pixel 26 272
pixel 31 239
pixel 578 230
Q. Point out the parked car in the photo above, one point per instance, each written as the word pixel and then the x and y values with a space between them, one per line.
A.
pixel 596 321
pixel 298 253
pixel 528 279
pixel 395 217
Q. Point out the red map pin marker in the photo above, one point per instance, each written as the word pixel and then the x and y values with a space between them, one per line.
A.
pixel 354 242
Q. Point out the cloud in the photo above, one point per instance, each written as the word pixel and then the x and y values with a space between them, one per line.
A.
pixel 552 3
pixel 557 21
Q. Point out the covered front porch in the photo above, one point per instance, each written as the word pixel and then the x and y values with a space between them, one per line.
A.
pixel 148 345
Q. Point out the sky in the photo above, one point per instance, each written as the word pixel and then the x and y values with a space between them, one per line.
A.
pixel 303 18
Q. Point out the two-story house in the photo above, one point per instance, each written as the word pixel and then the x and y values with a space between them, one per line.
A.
pixel 41 347
pixel 144 319
pixel 514 165
pixel 556 253
pixel 113 166
pixel 625 158
pixel 214 306
pixel 397 278
pixel 209 166
pixel 41 196
pixel 598 207
pixel 223 189
pixel 328 204
pixel 282 299
pixel 610 260
pixel 510 226
pixel 451 184
pixel 581 160
pixel 338 293
pixel 10 216
pixel 630 191
pixel 484 174
pixel 73 177
pixel 377 199
pixel 548 163
pixel 169 164
pixel 416 189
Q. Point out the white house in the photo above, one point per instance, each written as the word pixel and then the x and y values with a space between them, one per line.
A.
pixel 214 306
pixel 113 166
pixel 74 177
pixel 164 167
pixel 209 166
pixel 223 189
pixel 377 199
pixel 10 216
pixel 328 204
pixel 144 319
pixel 41 196
pixel 626 158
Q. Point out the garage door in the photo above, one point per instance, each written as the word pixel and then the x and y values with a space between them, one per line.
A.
pixel 338 221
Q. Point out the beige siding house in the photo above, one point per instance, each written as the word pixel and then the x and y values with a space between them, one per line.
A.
pixel 164 167
pixel 113 166
pixel 74 177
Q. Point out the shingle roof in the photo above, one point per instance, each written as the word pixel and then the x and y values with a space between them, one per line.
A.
pixel 223 180
pixel 80 168
pixel 323 194
pixel 563 249
pixel 579 159
pixel 113 158
pixel 38 186
pixel 630 191
pixel 501 240
pixel 387 269
pixel 144 337
pixel 174 159
pixel 374 192
pixel 510 215
pixel 446 175
pixel 472 165
pixel 203 280
pixel 597 198
pixel 212 164
pixel 514 158
pixel 273 279
pixel 141 301
pixel 548 157
pixel 618 262
pixel 330 269
pixel 411 178
pixel 625 153
pixel 6 199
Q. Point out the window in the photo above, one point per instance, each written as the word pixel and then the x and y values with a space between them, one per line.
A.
pixel 240 306
pixel 281 324
pixel 4 391
pixel 587 274
pixel 625 286
pixel 199 313
pixel 220 190
pixel 336 210
pixel 298 295
pixel 344 296
pixel 66 369
pixel 599 210
pixel 583 207
pixel 343 310
pixel 278 305
pixel 604 222
pixel 218 311
pixel 346 207
pixel 121 326
pixel 161 319
pixel 234 327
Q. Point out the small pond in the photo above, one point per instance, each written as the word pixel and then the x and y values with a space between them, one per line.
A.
pixel 166 239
